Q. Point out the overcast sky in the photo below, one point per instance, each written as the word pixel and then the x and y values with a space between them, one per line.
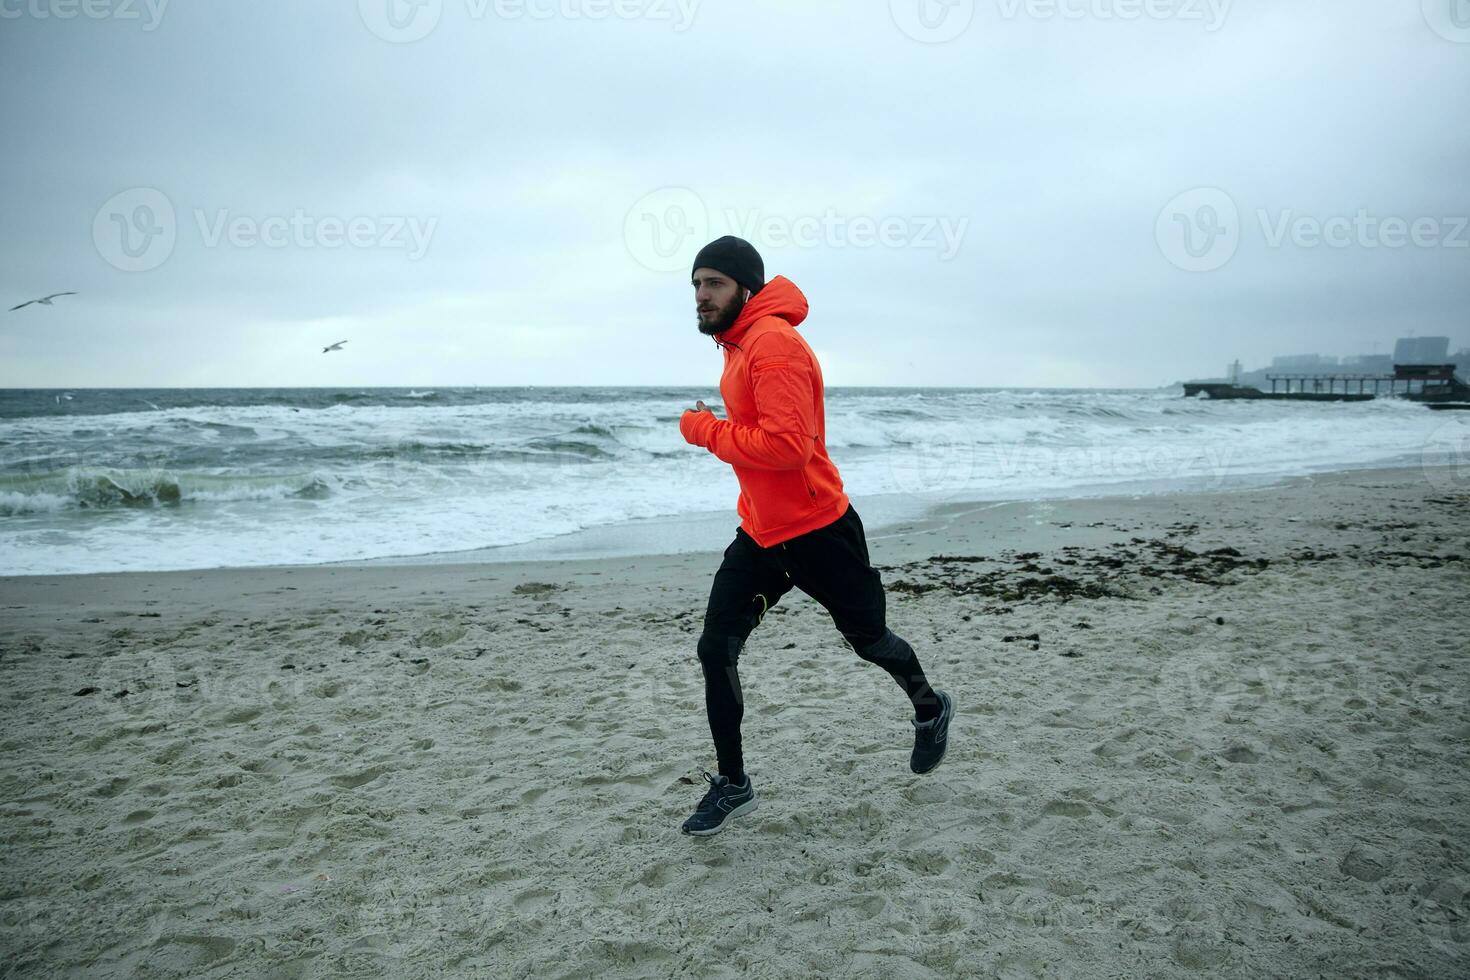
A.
pixel 989 192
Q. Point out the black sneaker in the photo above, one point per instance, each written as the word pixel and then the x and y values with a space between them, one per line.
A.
pixel 931 737
pixel 720 803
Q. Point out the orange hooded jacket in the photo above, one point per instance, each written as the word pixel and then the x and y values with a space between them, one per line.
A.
pixel 776 433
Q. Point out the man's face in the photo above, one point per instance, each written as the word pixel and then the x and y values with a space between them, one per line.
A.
pixel 718 300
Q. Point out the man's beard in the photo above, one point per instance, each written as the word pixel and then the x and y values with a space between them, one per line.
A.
pixel 726 318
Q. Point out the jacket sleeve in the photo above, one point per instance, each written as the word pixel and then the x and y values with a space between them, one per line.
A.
pixel 784 436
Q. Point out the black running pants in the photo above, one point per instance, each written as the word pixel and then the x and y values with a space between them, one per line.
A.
pixel 829 564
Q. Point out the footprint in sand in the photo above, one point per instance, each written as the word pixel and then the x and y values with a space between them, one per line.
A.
pixel 241 715
pixel 440 636
pixel 867 906
pixel 360 779
pixel 190 953
pixel 111 788
pixel 1365 863
pixel 1385 784
pixel 926 793
pixel 656 877
pixel 1066 808
pixel 926 862
pixel 533 899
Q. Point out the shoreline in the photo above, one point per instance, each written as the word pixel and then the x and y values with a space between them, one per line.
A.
pixel 710 531
pixel 717 528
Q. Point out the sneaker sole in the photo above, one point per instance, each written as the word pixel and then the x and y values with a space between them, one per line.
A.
pixel 745 807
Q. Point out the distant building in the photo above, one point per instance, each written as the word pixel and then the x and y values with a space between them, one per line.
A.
pixel 1302 362
pixel 1408 350
pixel 1368 364
pixel 1421 350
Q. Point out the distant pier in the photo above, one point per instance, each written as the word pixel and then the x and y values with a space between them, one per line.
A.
pixel 1434 384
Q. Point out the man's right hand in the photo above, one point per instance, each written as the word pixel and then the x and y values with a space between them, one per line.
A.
pixel 692 427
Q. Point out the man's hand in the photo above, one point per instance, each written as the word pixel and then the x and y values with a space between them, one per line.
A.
pixel 693 425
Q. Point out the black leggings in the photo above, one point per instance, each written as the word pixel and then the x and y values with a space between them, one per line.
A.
pixel 829 564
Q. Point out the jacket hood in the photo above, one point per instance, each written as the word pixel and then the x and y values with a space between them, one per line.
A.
pixel 779 297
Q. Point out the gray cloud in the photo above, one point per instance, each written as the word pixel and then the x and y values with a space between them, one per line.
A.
pixel 1055 140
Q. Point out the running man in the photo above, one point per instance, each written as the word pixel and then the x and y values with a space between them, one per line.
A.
pixel 796 525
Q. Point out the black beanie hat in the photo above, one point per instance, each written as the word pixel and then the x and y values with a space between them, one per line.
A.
pixel 736 258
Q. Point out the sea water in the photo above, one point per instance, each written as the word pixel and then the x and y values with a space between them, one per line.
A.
pixel 98 480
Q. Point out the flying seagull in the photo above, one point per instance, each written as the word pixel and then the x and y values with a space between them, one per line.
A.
pixel 336 346
pixel 44 300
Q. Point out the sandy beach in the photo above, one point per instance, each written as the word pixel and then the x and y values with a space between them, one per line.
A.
pixel 1197 735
